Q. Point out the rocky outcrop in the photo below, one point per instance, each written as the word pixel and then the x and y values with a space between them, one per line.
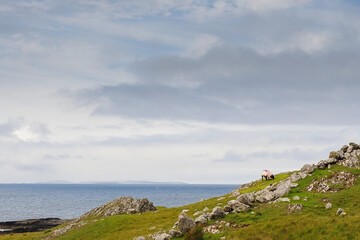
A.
pixel 337 182
pixel 185 223
pixel 123 205
pixel 308 168
pixel 246 198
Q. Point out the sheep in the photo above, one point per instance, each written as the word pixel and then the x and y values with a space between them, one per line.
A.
pixel 267 175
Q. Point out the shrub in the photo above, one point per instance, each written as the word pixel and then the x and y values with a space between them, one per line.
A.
pixel 196 233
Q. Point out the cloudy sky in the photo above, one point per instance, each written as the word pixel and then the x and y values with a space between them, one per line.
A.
pixel 185 90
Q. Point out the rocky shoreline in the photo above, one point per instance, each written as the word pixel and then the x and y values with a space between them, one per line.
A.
pixel 30 225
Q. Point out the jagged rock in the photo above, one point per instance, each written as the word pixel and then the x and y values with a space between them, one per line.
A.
pixel 185 223
pixel 174 233
pixel 295 177
pixel 265 197
pixel 202 219
pixel 296 198
pixel 217 212
pixel 308 168
pixel 294 208
pixel 282 188
pixel 344 148
pixel 236 206
pixel 123 205
pixel 140 238
pixel 246 198
pixel 328 206
pixel 351 162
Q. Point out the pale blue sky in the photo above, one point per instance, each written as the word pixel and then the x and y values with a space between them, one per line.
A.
pixel 186 90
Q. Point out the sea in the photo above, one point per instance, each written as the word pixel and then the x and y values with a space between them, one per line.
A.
pixel 66 201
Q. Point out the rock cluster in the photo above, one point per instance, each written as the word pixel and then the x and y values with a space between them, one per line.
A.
pixel 123 205
pixel 294 208
pixel 345 179
pixel 347 156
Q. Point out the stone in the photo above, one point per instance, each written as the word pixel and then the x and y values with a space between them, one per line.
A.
pixel 340 211
pixel 221 198
pixel 162 236
pixel 293 185
pixel 246 198
pixel 344 148
pixel 236 206
pixel 202 219
pixel 175 225
pixel 185 223
pixel 295 177
pixel 328 206
pixel 265 197
pixel 174 233
pixel 296 198
pixel 217 212
pixel 152 228
pixel 283 200
pixel 282 188
pixel 308 168
pixel 206 209
pixel 197 213
pixel 139 238
pixel 123 205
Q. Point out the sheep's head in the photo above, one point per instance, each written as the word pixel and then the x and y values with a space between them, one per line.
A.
pixel 272 176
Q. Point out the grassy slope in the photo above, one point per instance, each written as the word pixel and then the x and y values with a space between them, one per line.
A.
pixel 270 221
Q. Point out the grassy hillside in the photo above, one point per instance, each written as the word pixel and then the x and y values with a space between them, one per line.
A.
pixel 263 221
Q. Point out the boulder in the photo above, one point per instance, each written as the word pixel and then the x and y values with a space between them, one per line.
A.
pixel 265 197
pixel 283 200
pixel 295 177
pixel 328 206
pixel 162 236
pixel 246 198
pixel 123 205
pixel 174 233
pixel 293 185
pixel 296 198
pixel 236 206
pixel 185 223
pixel 308 168
pixel 282 188
pixel 202 219
pixel 217 212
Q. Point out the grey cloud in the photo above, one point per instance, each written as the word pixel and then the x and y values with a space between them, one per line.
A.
pixel 238 85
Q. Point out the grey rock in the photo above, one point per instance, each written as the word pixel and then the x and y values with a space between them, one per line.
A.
pixel 293 185
pixel 202 219
pixel 217 212
pixel 206 209
pixel 265 197
pixel 246 198
pixel 308 168
pixel 282 188
pixel 185 223
pixel 237 206
pixel 174 233
pixel 296 198
pixel 295 177
pixel 328 206
pixel 283 200
pixel 162 236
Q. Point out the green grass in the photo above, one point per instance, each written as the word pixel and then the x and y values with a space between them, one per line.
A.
pixel 270 221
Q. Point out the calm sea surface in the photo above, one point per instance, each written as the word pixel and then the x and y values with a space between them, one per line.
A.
pixel 26 201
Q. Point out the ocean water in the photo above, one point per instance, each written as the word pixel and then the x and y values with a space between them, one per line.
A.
pixel 65 201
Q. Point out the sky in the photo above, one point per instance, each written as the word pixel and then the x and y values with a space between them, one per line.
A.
pixel 186 90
